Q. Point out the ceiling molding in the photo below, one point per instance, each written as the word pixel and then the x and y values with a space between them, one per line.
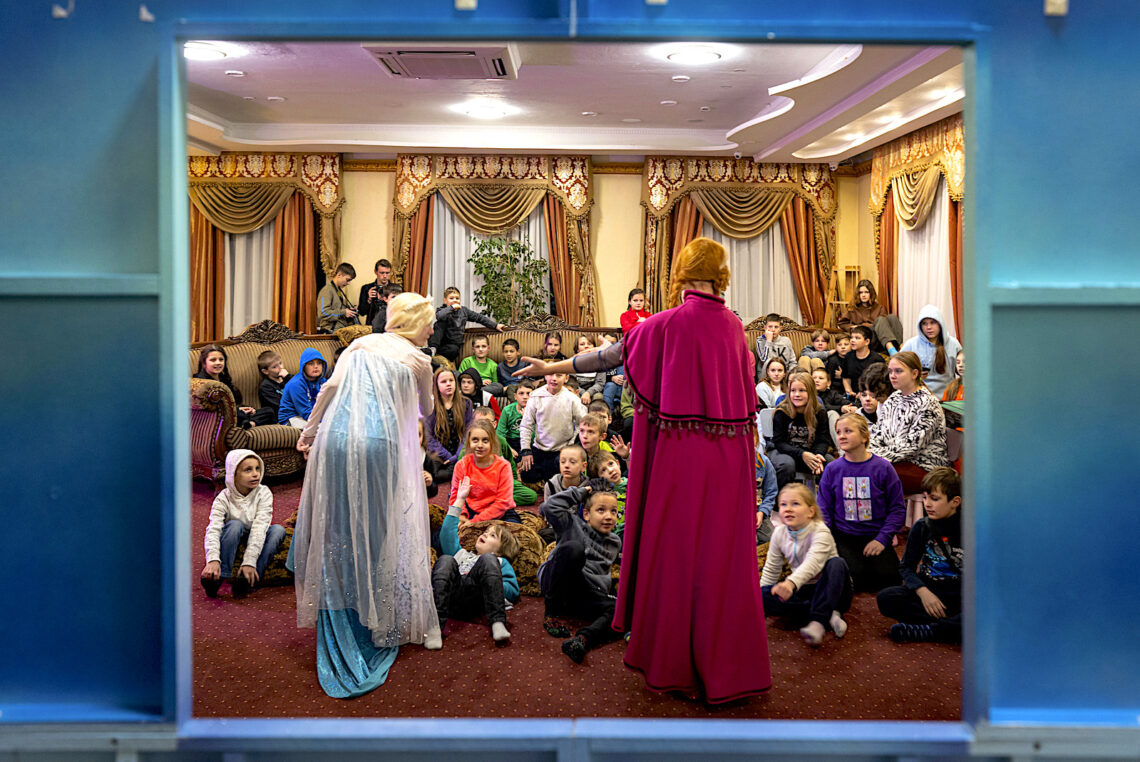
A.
pixel 853 170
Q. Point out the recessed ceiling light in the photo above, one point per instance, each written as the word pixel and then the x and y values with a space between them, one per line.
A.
pixel 726 87
pixel 485 108
pixel 668 103
pixel 694 55
pixel 248 98
pixel 706 108
pixel 589 113
pixel 234 73
pixel 681 77
pixel 208 50
pixel 274 98
pixel 631 120
pixel 739 71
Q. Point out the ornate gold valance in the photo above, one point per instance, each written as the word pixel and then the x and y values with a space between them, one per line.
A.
pixel 941 145
pixel 667 179
pixel 567 177
pixel 224 188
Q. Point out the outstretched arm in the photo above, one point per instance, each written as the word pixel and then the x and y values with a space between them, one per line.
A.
pixel 604 359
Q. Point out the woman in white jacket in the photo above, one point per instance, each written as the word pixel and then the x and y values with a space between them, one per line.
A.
pixel 243 510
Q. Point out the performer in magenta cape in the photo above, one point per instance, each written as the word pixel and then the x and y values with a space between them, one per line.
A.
pixel 689 591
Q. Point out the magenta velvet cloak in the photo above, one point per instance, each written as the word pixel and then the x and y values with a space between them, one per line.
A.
pixel 689 591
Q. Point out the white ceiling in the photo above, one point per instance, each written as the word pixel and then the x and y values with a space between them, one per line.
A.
pixel 771 101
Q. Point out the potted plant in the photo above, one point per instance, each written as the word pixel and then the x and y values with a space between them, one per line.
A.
pixel 514 279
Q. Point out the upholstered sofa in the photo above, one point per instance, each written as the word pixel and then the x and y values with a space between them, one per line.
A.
pixel 213 414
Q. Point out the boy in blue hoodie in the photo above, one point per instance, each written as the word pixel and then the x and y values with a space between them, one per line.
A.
pixel 301 390
pixel 467 584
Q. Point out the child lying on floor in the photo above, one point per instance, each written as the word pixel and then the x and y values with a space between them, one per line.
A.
pixel 465 584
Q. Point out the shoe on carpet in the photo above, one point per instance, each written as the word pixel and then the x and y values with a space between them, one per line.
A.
pixel 240 587
pixel 211 586
pixel 555 628
pixel 911 633
pixel 575 648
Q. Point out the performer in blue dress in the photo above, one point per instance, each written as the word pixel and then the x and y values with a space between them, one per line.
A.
pixel 360 548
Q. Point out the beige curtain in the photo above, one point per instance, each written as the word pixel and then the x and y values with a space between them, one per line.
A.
pixel 801 238
pixel 741 213
pixel 207 277
pixel 491 209
pixel 295 266
pixel 240 207
pixel 914 196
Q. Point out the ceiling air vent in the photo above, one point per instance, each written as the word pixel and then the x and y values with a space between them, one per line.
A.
pixel 440 62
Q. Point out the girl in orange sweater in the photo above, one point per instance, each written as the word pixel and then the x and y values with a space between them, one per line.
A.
pixel 491 494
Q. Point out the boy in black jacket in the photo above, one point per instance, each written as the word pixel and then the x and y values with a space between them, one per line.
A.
pixel 575 579
pixel 451 324
pixel 273 378
pixel 829 398
pixel 928 605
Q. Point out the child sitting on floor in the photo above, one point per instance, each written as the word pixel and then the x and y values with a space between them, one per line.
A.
pixel 862 502
pixel 816 350
pixel 615 377
pixel 834 363
pixel 466 584
pixel 829 399
pixel 859 358
pixel 591 429
pixel 447 423
pixel 874 388
pixel 510 363
pixel 800 432
pixel 928 604
pixel 766 489
pixel 523 494
pixel 605 465
pixel 549 423
pixel 487 369
pixel 511 418
pixel 243 510
pixel 575 580
pixel 471 387
pixel 571 471
pixel 490 485
pixel 818 591
pixel 774 386
pixel 602 410
pixel 301 390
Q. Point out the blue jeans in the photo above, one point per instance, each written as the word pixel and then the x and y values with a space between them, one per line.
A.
pixel 611 392
pixel 232 535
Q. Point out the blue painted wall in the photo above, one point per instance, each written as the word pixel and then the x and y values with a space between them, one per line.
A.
pixel 95 415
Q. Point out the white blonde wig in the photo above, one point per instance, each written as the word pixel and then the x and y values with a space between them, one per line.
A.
pixel 408 313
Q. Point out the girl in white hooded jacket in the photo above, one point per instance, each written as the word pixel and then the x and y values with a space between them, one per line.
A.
pixel 243 510
pixel 936 349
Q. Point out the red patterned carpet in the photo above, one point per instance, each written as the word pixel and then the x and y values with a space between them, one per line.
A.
pixel 250 660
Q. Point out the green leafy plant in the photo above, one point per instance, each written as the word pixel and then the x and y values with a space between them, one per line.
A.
pixel 513 279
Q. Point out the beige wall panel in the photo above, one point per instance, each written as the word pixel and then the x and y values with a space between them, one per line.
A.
pixel 366 227
pixel 615 229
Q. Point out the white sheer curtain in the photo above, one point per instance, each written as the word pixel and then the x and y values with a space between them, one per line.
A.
pixel 761 276
pixel 452 247
pixel 924 267
pixel 249 278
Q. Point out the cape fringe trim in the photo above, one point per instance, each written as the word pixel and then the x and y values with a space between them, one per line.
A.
pixel 714 428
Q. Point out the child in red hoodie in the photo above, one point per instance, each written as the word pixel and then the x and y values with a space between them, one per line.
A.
pixel 636 312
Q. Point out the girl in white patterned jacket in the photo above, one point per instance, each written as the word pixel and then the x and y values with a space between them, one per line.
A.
pixel 243 510
pixel 911 429
pixel 818 591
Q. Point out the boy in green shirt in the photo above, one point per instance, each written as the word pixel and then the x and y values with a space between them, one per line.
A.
pixel 483 365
